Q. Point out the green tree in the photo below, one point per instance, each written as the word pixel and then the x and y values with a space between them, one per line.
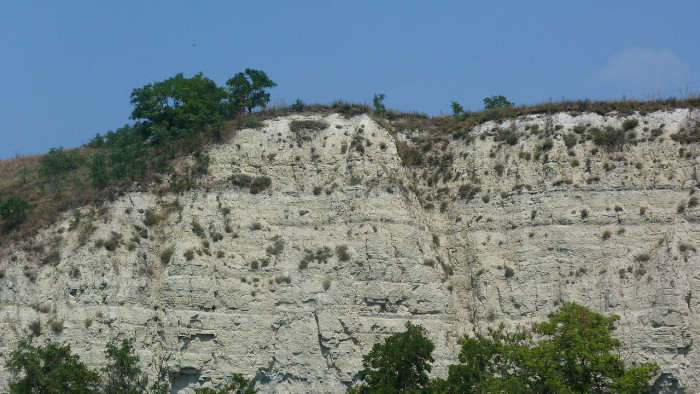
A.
pixel 238 385
pixel 246 91
pixel 569 353
pixel 13 211
pixel 57 163
pixel 400 364
pixel 497 102
pixel 50 369
pixel 122 373
pixel 178 104
pixel 456 108
pixel 378 102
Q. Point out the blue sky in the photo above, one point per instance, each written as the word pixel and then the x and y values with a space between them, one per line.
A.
pixel 69 67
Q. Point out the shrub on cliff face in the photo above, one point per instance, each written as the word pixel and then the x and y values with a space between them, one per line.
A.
pixel 13 211
pixel 255 184
pixel 610 137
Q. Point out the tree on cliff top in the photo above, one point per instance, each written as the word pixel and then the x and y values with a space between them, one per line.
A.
pixel 248 90
pixel 178 104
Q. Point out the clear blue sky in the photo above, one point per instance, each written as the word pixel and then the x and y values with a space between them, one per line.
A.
pixel 69 67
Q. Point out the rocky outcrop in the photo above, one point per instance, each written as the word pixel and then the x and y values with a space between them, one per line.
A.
pixel 294 283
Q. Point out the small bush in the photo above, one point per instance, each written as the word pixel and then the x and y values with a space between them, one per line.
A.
pixel 167 254
pixel 13 211
pixel 499 169
pixel 468 191
pixel 547 145
pixel 57 163
pixel 215 236
pixel 570 140
pixel 629 124
pixel 113 242
pixel 692 202
pixel 642 258
pixel 189 254
pixel 342 252
pixel 610 137
pixel 326 284
pixel 259 184
pixel 509 273
pixel 149 217
pixel 197 229
pixel 680 208
pixel 296 126
pixel 321 255
pixel 276 248
pixel 606 235
pixel 254 184
pixel 53 258
pixel 56 325
pixel 35 328
pixel 410 156
pixel 298 105
pixel 684 248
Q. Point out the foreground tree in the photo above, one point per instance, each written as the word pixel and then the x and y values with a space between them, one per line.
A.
pixel 50 369
pixel 400 364
pixel 122 373
pixel 569 353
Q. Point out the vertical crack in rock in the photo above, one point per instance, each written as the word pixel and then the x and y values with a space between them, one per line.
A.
pixel 325 350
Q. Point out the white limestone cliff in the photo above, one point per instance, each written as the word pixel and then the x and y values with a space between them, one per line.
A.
pixel 615 230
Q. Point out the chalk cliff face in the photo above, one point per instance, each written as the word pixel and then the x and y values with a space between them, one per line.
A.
pixel 293 284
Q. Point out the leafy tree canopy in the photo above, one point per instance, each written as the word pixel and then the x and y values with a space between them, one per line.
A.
pixel 569 353
pixel 497 102
pixel 50 369
pixel 178 103
pixel 400 364
pixel 248 90
pixel 122 372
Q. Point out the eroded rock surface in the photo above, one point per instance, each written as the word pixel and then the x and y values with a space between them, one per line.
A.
pixel 292 285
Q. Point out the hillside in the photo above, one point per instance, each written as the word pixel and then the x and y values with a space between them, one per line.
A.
pixel 304 241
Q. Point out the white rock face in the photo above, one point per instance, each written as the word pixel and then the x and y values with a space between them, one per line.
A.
pixel 294 284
